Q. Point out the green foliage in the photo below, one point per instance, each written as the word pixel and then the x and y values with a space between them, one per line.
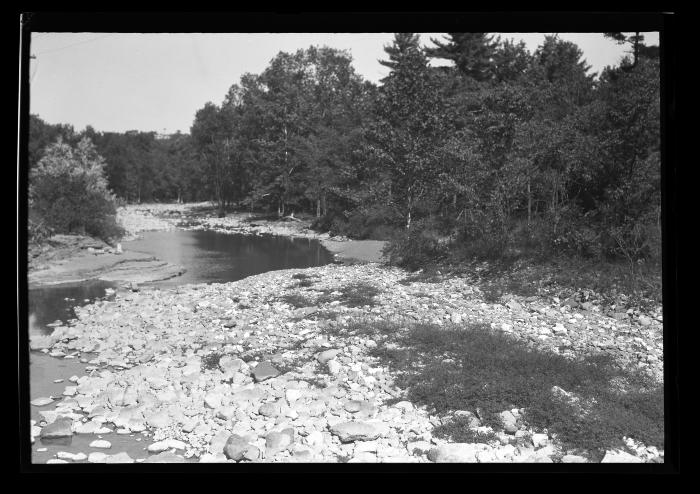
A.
pixel 415 247
pixel 508 154
pixel 457 429
pixel 297 301
pixel 472 53
pixel 68 193
pixel 469 367
pixel 352 295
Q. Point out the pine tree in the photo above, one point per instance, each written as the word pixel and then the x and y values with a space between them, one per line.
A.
pixel 636 40
pixel 404 45
pixel 472 53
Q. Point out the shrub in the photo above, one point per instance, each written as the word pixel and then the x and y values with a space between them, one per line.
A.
pixel 68 192
pixel 415 248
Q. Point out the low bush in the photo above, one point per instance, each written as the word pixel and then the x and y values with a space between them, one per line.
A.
pixel 415 248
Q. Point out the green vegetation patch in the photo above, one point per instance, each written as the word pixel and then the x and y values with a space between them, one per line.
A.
pixel 468 366
pixel 358 294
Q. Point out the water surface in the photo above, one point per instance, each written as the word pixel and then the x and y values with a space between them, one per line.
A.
pixel 208 257
pixel 212 257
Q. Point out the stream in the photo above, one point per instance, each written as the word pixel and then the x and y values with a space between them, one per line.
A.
pixel 207 256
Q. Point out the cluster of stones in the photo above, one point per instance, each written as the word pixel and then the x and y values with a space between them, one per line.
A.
pixel 139 218
pixel 229 372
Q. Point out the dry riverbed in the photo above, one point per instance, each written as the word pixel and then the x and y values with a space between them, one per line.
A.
pixel 305 366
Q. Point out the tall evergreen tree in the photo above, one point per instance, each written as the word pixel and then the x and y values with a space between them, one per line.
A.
pixel 511 60
pixel 404 46
pixel 472 53
pixel 636 40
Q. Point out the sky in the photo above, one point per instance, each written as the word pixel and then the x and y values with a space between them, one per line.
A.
pixel 157 81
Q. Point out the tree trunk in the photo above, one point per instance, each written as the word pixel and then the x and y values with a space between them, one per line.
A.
pixel 529 203
pixel 318 207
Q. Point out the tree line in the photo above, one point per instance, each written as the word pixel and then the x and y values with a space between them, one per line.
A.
pixel 501 150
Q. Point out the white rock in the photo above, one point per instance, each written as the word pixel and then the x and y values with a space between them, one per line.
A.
pixel 334 367
pixel 573 459
pixel 65 455
pixel 213 400
pixel 101 443
pixel 612 456
pixel 315 438
pixel 40 402
pixel 70 391
pixel 292 395
pixel 539 440
pixel 97 457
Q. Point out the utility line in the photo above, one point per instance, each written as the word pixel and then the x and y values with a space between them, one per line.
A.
pixel 75 44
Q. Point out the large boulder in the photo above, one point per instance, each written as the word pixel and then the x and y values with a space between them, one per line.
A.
pixel 355 431
pixel 61 427
pixel 264 370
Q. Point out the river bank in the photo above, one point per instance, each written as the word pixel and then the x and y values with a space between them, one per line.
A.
pixel 201 216
pixel 331 364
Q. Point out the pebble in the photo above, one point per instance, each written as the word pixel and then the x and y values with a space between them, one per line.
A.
pixel 205 408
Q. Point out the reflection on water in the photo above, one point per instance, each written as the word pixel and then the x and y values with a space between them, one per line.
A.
pixel 212 257
pixel 207 256
pixel 48 304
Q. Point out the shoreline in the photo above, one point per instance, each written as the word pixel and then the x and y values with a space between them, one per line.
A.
pixel 223 372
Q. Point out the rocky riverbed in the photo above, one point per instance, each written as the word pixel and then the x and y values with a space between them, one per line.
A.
pixel 260 370
pixel 291 366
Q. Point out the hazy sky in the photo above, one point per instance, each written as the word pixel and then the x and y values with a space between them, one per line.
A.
pixel 156 82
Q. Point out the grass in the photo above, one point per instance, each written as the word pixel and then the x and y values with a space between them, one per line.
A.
pixel 353 295
pixel 457 429
pixel 211 361
pixel 296 300
pixel 469 366
pixel 425 276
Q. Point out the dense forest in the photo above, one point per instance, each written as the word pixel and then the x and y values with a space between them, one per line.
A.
pixel 501 151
